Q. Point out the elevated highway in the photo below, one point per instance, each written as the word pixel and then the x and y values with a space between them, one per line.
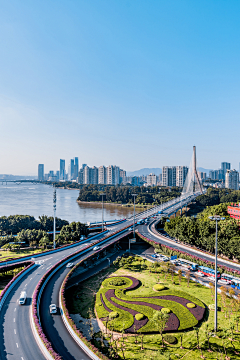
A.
pixel 17 340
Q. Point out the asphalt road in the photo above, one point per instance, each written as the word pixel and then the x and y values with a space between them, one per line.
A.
pixel 17 341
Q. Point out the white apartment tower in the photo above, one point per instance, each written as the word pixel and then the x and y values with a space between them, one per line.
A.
pixel 181 174
pixel 113 173
pixel 169 175
pixel 232 179
pixel 102 175
pixel 151 180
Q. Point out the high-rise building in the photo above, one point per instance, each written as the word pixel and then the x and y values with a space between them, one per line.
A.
pixel 169 175
pixel 181 174
pixel 93 175
pixel 62 169
pixel 76 169
pixel 122 176
pixel 81 174
pixel 202 176
pixel 224 167
pixel 232 179
pixel 102 175
pixel 151 180
pixel 41 172
pixel 113 175
pixel 71 170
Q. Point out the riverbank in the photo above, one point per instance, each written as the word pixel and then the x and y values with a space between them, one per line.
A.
pixel 116 204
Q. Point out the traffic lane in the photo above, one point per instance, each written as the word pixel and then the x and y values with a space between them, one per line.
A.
pixel 17 340
pixel 145 232
pixel 53 326
pixel 205 279
pixel 93 270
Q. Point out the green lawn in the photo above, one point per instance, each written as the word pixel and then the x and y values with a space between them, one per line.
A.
pixel 4 255
pixel 225 341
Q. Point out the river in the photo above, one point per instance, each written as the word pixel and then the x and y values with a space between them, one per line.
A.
pixel 37 199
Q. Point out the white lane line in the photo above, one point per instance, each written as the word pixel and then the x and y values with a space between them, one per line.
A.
pixel 22 358
pixel 15 309
pixel 49 267
pixel 31 279
pixel 15 331
pixel 17 345
pixel 14 320
pixel 25 284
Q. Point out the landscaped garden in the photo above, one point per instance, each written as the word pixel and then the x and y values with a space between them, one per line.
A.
pixel 149 312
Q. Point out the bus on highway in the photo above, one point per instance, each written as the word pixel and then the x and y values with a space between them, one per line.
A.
pixel 208 271
pixel 227 277
pixel 189 264
pixel 235 283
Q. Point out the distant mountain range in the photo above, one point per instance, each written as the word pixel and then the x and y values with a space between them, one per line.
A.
pixel 157 171
pixel 145 171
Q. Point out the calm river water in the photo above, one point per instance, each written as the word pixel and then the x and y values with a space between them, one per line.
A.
pixel 37 199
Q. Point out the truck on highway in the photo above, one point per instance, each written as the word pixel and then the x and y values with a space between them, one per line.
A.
pixel 23 297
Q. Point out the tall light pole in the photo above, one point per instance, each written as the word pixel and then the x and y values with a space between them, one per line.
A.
pixel 54 216
pixel 134 195
pixel 216 218
pixel 102 194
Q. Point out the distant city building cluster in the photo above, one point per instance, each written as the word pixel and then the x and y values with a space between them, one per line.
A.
pixel 226 178
pixel 114 175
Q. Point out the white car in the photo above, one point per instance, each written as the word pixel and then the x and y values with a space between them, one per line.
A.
pixel 200 274
pixel 130 229
pixel 224 282
pixel 69 265
pixel 96 248
pixel 83 237
pixel 211 278
pixel 53 309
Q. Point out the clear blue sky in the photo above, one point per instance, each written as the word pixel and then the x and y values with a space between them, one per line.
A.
pixel 126 82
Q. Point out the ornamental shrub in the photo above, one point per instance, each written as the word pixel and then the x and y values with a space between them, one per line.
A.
pixel 139 317
pixel 191 305
pixel 165 310
pixel 170 339
pixel 113 315
pixel 158 287
pixel 117 282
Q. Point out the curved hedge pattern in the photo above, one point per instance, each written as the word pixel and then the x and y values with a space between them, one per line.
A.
pixel 112 298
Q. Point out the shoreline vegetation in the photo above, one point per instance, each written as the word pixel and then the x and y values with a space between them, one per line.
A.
pixel 116 204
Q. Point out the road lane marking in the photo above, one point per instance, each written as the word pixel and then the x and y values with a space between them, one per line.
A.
pixel 14 320
pixel 31 279
pixel 15 309
pixel 17 345
pixel 15 331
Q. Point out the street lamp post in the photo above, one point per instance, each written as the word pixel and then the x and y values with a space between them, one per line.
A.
pixel 216 218
pixel 102 194
pixel 134 195
pixel 54 216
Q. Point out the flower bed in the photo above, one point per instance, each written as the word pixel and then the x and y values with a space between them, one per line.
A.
pixel 112 298
pixel 184 254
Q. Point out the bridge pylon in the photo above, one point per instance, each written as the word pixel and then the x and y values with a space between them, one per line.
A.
pixel 192 183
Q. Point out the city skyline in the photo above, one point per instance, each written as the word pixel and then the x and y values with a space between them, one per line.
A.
pixel 118 82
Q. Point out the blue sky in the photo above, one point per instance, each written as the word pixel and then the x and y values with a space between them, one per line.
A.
pixel 131 83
